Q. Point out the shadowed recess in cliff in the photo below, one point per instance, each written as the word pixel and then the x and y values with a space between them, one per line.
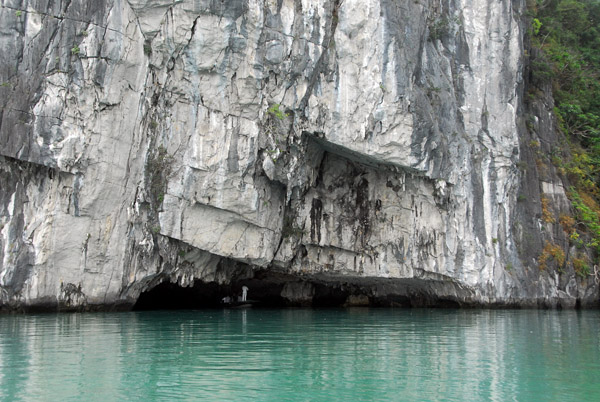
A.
pixel 271 289
pixel 316 140
pixel 266 289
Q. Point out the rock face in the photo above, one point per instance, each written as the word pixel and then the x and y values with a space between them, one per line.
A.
pixel 372 143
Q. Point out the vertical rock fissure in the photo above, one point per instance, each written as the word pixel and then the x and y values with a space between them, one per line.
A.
pixel 321 62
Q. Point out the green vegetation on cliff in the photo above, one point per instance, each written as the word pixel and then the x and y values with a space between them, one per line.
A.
pixel 567 33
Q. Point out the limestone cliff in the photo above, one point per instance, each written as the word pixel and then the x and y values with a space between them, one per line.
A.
pixel 377 145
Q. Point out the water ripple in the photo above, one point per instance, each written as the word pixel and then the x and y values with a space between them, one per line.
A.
pixel 354 354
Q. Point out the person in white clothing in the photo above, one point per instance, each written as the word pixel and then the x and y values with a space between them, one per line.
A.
pixel 244 293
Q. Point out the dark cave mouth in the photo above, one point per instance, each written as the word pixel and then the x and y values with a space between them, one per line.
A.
pixel 261 294
pixel 273 290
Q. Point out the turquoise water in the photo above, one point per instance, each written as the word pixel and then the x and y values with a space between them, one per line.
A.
pixel 297 354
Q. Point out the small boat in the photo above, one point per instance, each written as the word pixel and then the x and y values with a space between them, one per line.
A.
pixel 228 302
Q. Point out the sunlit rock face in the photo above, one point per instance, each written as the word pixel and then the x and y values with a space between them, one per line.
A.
pixel 146 141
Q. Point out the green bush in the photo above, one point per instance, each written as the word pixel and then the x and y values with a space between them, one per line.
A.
pixel 567 38
pixel 275 111
pixel 536 25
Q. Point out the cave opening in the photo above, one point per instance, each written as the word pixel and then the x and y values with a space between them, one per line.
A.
pixel 201 295
pixel 265 290
pixel 268 289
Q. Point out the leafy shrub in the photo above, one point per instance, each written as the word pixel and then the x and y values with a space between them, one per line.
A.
pixel 275 111
pixel 536 25
pixel 552 252
pixel 547 214
pixel 587 213
pixel 567 222
pixel 581 267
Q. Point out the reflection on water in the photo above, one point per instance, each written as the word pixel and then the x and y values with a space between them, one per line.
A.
pixel 345 354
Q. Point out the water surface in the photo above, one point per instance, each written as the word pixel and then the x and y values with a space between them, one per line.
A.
pixel 297 354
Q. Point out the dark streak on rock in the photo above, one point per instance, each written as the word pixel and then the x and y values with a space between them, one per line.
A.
pixel 316 214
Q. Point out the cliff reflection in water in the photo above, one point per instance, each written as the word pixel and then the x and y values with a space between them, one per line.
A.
pixel 301 354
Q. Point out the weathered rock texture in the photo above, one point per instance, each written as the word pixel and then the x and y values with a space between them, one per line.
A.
pixel 376 144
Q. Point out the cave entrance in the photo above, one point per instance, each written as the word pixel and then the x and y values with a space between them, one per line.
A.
pixel 265 290
pixel 171 296
pixel 268 289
